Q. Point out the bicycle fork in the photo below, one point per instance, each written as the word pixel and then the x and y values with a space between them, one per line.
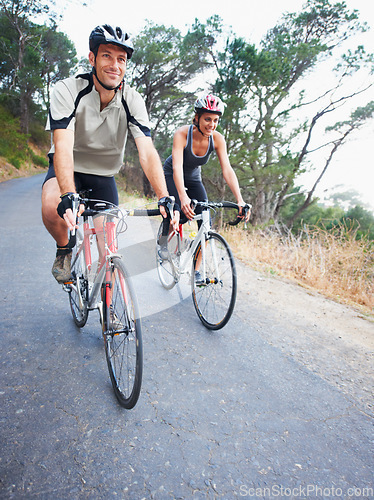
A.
pixel 216 278
pixel 113 280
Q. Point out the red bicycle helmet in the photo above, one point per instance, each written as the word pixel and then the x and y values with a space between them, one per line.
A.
pixel 110 34
pixel 209 104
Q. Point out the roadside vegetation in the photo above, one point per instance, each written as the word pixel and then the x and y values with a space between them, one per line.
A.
pixel 21 154
pixel 336 262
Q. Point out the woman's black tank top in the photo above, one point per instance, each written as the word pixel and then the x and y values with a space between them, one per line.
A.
pixel 191 162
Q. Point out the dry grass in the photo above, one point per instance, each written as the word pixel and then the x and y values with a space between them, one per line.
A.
pixel 332 263
pixel 335 264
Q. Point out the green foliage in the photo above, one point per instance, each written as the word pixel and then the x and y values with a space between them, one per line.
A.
pixel 163 65
pixel 356 219
pixel 361 220
pixel 14 144
pixel 357 118
pixel 258 86
pixel 315 215
pixel 57 60
pixel 162 68
pixel 38 134
pixel 33 57
pixel 40 161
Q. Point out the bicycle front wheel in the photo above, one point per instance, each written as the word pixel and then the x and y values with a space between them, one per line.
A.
pixel 214 294
pixel 168 264
pixel 78 288
pixel 122 335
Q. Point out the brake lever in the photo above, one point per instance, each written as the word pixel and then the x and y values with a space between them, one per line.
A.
pixel 239 218
pixel 75 207
pixel 170 207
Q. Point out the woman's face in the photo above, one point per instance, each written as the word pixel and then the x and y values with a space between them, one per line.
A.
pixel 208 122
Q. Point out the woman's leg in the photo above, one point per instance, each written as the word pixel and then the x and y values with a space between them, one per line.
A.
pixel 197 191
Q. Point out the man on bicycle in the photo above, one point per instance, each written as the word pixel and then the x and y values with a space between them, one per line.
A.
pixel 90 116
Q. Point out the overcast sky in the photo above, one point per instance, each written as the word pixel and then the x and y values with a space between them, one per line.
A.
pixel 353 166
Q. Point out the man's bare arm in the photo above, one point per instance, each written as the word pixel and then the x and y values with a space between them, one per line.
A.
pixel 63 159
pixel 63 162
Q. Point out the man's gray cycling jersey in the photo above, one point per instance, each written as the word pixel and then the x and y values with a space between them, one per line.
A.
pixel 191 162
pixel 99 136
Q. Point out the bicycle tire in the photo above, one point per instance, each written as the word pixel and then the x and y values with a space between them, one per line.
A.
pixel 214 300
pixel 122 335
pixel 78 292
pixel 166 267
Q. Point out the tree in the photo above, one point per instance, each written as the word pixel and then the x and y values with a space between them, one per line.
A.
pixel 361 219
pixel 345 210
pixel 344 129
pixel 164 63
pixel 23 36
pixel 32 55
pixel 346 199
pixel 316 214
pixel 263 90
pixel 57 60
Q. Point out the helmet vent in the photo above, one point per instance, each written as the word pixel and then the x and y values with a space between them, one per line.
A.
pixel 109 29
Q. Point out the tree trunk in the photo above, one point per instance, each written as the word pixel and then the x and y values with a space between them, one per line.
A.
pixel 309 199
pixel 24 112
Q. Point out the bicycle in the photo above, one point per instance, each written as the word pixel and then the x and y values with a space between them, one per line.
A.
pixel 106 286
pixel 211 262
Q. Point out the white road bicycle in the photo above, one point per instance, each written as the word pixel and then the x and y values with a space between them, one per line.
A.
pixel 210 261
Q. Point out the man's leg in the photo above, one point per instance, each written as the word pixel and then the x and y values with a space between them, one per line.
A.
pixel 197 191
pixel 56 226
pixel 52 221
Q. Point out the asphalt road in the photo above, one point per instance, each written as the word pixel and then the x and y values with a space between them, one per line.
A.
pixel 221 415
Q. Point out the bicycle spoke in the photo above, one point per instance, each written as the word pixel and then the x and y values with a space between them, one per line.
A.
pixel 78 289
pixel 123 345
pixel 120 355
pixel 214 297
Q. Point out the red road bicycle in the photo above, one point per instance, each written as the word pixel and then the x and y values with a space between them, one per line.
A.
pixel 104 284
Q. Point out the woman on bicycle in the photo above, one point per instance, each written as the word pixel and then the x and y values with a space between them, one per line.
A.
pixel 192 147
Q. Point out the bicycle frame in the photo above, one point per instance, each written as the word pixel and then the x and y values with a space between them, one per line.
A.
pixel 208 260
pixel 187 255
pixel 102 274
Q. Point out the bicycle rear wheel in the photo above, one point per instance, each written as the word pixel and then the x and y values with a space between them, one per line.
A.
pixel 167 268
pixel 214 299
pixel 122 335
pixel 78 288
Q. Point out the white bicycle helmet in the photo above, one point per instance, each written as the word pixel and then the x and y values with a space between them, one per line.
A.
pixel 209 104
pixel 110 34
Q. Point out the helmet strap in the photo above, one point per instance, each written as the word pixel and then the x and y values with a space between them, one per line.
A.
pixel 197 125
